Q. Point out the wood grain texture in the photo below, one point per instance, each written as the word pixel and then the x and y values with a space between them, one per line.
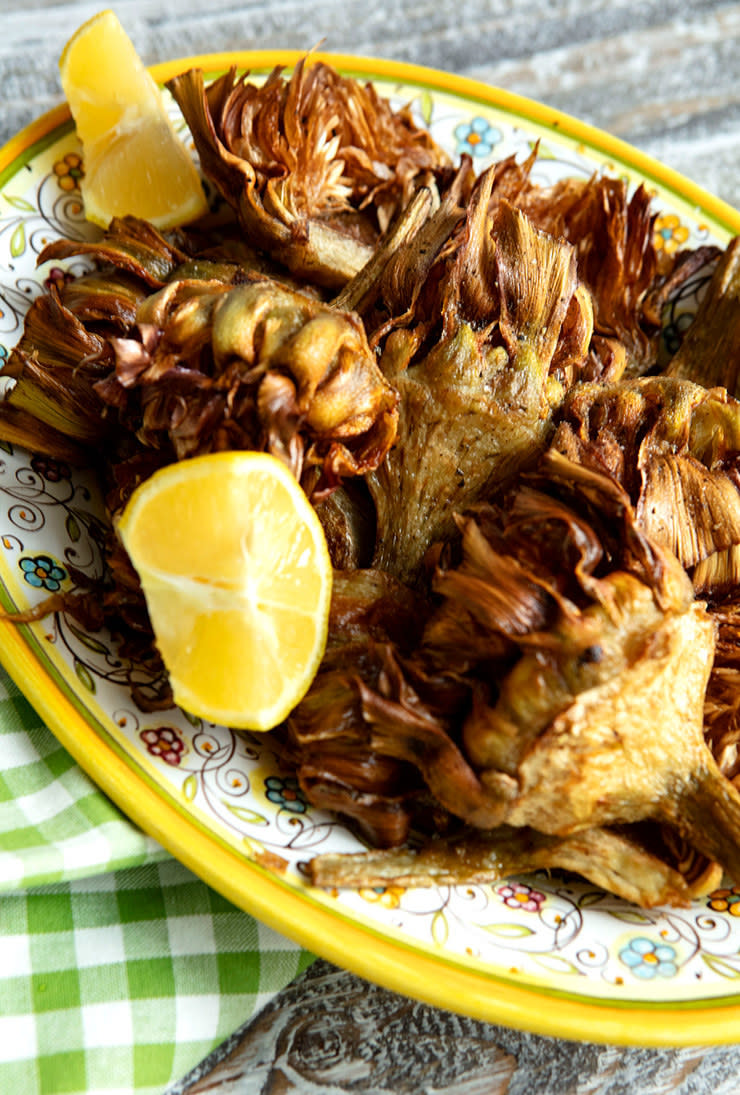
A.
pixel 660 74
pixel 330 1033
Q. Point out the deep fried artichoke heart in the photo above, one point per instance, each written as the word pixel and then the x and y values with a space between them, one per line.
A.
pixel 316 164
pixel 609 635
pixel 474 410
pixel 571 740
pixel 256 365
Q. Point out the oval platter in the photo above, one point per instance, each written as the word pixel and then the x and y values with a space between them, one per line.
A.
pixel 546 953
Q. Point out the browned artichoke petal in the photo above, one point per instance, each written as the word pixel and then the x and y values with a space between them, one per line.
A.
pixel 129 244
pixel 692 511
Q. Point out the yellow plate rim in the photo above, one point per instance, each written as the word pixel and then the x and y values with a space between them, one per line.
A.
pixel 386 961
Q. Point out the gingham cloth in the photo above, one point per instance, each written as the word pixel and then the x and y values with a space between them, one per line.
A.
pixel 119 969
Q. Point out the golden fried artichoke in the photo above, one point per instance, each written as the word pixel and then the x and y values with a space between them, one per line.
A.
pixel 607 632
pixel 476 401
pixel 259 366
pixel 316 165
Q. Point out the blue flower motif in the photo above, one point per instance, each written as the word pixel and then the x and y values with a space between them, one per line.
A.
pixel 647 959
pixel 477 137
pixel 42 572
pixel 3 351
pixel 286 793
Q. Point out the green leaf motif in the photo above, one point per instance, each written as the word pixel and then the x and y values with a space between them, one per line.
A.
pixel 250 816
pixel 440 928
pixel 723 966
pixel 190 787
pixel 18 241
pixel 19 203
pixel 630 916
pixel 508 931
pixel 595 897
pixel 426 105
pixel 84 675
pixel 555 963
pixel 6 447
pixel 88 640
pixel 254 847
pixel 73 528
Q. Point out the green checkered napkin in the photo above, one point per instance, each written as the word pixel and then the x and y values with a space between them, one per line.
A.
pixel 119 969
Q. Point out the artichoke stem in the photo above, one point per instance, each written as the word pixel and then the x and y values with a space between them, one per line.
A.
pixel 707 814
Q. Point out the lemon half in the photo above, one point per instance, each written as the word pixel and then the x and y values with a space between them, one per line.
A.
pixel 237 578
pixel 134 161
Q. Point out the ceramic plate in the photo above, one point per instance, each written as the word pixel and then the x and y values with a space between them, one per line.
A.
pixel 544 952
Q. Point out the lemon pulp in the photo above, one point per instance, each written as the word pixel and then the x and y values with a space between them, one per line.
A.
pixel 237 578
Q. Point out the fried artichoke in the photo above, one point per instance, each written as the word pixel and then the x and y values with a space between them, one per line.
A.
pixel 316 165
pixel 257 366
pixel 475 404
pixel 608 631
pixel 675 448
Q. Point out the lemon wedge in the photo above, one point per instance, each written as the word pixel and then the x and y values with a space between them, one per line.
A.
pixel 133 159
pixel 237 578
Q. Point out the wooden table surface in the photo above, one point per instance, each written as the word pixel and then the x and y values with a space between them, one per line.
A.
pixel 661 74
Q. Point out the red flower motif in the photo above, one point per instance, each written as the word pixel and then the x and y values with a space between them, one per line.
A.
pixel 164 742
pixel 518 896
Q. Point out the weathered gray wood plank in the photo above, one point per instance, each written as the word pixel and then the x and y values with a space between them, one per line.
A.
pixel 330 1033
pixel 657 73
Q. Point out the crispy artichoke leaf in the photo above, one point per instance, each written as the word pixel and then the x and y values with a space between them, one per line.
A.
pixel 612 233
pixel 129 244
pixel 53 369
pixel 673 445
pixel 21 427
pixel 610 860
pixel 108 302
pixel 691 510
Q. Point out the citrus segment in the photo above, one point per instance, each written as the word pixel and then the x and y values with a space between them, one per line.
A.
pixel 237 578
pixel 134 161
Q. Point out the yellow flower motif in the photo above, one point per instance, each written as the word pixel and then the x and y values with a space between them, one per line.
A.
pixel 726 901
pixel 69 171
pixel 388 896
pixel 669 233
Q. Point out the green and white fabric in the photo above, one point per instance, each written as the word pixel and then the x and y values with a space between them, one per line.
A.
pixel 119 969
